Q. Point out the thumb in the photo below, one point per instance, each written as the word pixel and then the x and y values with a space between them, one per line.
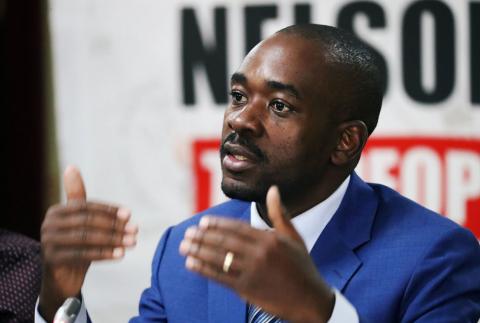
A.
pixel 73 184
pixel 278 217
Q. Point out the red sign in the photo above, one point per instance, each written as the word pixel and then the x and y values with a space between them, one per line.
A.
pixel 441 173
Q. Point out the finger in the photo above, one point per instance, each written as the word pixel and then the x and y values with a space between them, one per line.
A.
pixel 218 240
pixel 88 238
pixel 73 184
pixel 213 257
pixel 280 220
pixel 123 222
pixel 60 212
pixel 230 227
pixel 86 255
pixel 87 219
pixel 101 228
pixel 90 215
pixel 131 228
pixel 80 205
pixel 204 269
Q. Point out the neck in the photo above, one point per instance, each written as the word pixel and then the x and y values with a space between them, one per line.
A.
pixel 296 203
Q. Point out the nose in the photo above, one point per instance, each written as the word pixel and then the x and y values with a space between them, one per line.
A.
pixel 246 120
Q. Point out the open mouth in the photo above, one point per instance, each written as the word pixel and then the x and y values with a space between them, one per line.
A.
pixel 237 158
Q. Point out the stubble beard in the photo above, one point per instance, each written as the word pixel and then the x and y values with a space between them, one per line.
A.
pixel 242 191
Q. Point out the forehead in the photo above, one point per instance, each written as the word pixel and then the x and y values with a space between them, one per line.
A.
pixel 287 59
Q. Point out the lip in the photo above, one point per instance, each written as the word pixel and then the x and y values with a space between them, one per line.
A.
pixel 232 164
pixel 235 149
pixel 237 158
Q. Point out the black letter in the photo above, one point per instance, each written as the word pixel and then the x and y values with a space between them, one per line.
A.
pixel 444 51
pixel 254 16
pixel 213 57
pixel 376 18
pixel 302 13
pixel 475 52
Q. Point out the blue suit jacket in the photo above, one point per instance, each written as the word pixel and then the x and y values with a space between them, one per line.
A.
pixel 394 260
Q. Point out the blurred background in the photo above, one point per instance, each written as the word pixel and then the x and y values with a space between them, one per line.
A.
pixel 133 93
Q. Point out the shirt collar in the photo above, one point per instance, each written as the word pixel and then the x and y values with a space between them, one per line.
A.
pixel 309 224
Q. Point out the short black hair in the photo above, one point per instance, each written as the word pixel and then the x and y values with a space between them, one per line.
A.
pixel 356 73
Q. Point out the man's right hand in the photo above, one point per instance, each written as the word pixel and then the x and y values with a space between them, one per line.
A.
pixel 74 235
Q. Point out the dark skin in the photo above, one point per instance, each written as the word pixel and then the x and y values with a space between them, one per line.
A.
pixel 280 133
pixel 271 269
pixel 277 108
pixel 75 234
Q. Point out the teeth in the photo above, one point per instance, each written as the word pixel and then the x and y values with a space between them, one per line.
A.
pixel 240 157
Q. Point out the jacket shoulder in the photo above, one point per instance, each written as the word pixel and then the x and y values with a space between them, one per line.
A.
pixel 233 209
pixel 406 212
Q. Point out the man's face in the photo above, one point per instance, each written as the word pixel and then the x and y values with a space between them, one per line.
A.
pixel 275 129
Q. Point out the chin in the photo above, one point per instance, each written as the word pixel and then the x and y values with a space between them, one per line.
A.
pixel 242 191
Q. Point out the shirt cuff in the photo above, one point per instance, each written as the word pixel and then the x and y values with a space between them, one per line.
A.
pixel 81 317
pixel 343 311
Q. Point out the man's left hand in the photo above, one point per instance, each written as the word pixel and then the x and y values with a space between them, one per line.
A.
pixel 271 269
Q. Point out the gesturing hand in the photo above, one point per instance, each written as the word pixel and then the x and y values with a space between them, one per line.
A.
pixel 271 269
pixel 75 234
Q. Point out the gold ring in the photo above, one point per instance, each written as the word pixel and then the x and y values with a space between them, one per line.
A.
pixel 227 263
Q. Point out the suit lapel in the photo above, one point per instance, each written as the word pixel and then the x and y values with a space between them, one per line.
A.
pixel 224 305
pixel 334 252
pixel 334 260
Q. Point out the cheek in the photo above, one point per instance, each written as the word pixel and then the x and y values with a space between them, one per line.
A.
pixel 319 144
pixel 284 145
pixel 305 143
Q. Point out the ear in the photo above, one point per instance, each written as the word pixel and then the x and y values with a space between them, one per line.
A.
pixel 352 136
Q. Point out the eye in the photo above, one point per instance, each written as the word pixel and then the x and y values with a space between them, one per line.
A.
pixel 238 97
pixel 280 107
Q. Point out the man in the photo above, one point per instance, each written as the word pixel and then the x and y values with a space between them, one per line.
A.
pixel 304 102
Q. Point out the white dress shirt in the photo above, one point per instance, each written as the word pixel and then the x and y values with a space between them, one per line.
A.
pixel 310 225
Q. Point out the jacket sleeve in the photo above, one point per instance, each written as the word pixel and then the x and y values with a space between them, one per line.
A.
pixel 151 307
pixel 445 286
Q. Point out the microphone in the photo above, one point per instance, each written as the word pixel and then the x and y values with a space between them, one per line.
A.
pixel 67 313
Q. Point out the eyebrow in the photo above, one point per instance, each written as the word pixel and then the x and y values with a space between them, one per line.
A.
pixel 284 87
pixel 238 78
pixel 242 79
